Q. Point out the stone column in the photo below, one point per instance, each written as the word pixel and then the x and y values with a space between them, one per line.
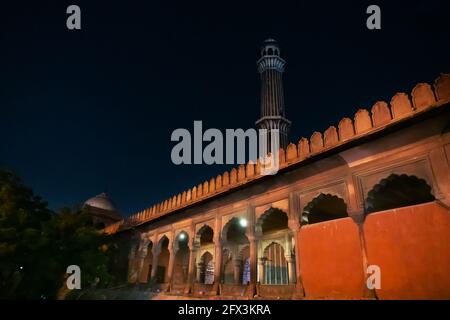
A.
pixel 132 272
pixel 154 264
pixel 237 270
pixel 294 225
pixel 140 265
pixel 291 268
pixel 199 272
pixel 261 269
pixel 191 266
pixel 253 258
pixel 253 264
pixel 217 265
pixel 169 275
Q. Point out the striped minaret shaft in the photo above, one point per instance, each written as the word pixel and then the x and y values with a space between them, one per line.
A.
pixel 273 115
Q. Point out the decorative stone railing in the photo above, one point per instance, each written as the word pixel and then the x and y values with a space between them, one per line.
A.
pixel 381 115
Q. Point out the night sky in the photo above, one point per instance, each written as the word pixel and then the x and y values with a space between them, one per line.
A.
pixel 82 112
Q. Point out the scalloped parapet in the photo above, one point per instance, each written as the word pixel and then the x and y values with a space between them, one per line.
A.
pixel 382 114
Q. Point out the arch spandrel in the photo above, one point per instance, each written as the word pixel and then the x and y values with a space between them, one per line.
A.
pixel 200 225
pixel 419 168
pixel 226 222
pixel 267 243
pixel 339 190
pixel 282 205
pixel 160 239
pixel 398 191
pixel 227 218
pixel 176 239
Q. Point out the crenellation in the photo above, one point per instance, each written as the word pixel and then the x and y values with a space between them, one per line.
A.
pixel 241 173
pixel 442 87
pixel 316 142
pixel 401 106
pixel 188 195
pixel 212 185
pixel 363 122
pixel 199 190
pixel 346 129
pixel 205 188
pixel 422 96
pixel 258 167
pixel 194 193
pixel 226 179
pixel 250 169
pixel 281 156
pixel 174 202
pixel 233 176
pixel 218 182
pixel 331 137
pixel 303 148
pixel 291 152
pixel 381 114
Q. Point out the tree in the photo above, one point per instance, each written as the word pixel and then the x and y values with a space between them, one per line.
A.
pixel 37 245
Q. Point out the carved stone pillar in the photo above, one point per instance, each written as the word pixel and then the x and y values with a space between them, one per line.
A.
pixel 132 270
pixel 169 274
pixel 218 266
pixel 291 268
pixel 237 263
pixel 191 266
pixel 253 264
pixel 140 263
pixel 294 225
pixel 261 269
pixel 199 272
pixel 154 264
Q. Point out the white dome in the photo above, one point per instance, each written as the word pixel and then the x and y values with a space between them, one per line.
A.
pixel 101 201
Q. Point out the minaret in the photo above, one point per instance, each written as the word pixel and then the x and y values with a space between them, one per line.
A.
pixel 273 116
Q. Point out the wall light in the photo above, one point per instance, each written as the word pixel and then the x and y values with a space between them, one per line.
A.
pixel 243 222
pixel 182 236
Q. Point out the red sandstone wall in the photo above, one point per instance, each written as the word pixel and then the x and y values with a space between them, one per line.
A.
pixel 331 260
pixel 412 247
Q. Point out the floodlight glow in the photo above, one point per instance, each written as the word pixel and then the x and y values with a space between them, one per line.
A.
pixel 243 222
pixel 182 236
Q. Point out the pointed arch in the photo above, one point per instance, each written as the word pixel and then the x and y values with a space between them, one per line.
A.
pixel 398 191
pixel 323 208
pixel 275 267
pixel 234 233
pixel 271 220
pixel 204 235
pixel 207 268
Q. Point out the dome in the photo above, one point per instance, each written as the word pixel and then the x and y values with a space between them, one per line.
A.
pixel 102 209
pixel 101 201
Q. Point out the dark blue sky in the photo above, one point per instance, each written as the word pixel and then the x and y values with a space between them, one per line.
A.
pixel 92 110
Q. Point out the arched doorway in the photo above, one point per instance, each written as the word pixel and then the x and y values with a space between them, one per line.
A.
pixel 163 260
pixel 207 268
pixel 147 265
pixel 180 271
pixel 205 259
pixel 324 207
pixel 245 258
pixel 397 191
pixel 276 268
pixel 228 269
pixel 235 239
pixel 276 257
